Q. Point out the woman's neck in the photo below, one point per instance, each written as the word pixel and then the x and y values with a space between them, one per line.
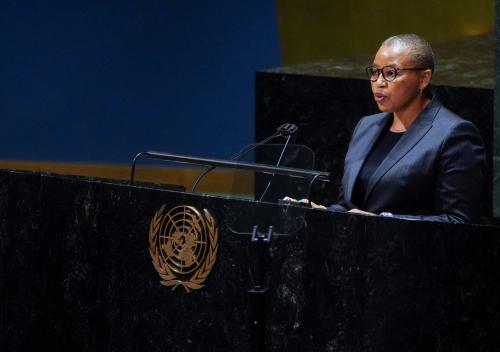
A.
pixel 405 117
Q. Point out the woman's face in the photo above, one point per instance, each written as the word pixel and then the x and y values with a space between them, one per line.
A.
pixel 399 94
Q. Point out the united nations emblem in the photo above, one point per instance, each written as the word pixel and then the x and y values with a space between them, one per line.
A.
pixel 183 246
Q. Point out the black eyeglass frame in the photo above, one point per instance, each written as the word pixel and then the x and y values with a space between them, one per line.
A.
pixel 369 70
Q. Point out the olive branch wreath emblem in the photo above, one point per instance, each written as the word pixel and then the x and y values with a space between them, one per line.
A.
pixel 198 225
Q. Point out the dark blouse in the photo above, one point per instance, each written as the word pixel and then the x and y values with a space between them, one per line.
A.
pixel 386 141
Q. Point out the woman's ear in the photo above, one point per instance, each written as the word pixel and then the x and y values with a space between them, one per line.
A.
pixel 425 78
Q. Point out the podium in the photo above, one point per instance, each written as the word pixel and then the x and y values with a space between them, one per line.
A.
pixel 76 274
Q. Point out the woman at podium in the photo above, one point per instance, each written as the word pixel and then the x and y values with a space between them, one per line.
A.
pixel 416 159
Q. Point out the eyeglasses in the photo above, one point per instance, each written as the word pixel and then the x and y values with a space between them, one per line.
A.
pixel 388 72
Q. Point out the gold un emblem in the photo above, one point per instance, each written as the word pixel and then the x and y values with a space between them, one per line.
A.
pixel 183 246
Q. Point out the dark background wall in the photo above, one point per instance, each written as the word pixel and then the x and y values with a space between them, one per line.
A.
pixel 86 84
pixel 496 134
pixel 97 81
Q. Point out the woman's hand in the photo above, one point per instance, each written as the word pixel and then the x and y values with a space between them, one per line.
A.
pixel 362 212
pixel 304 201
pixel 313 205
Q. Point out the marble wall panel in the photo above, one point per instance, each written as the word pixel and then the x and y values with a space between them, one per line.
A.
pixel 326 109
pixel 496 136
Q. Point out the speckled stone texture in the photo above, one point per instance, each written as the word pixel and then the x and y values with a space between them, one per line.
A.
pixel 76 275
pixel 326 109
pixel 496 153
pixel 353 283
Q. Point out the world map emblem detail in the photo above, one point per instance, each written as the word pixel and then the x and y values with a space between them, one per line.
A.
pixel 183 246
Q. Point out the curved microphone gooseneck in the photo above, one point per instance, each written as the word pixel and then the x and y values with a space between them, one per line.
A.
pixel 282 131
pixel 290 130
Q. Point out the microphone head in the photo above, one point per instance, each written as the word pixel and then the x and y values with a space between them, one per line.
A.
pixel 287 129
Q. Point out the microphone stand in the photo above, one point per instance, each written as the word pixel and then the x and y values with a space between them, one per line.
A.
pixel 277 164
pixel 234 157
pixel 282 131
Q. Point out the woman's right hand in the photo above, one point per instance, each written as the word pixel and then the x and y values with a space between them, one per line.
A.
pixel 304 201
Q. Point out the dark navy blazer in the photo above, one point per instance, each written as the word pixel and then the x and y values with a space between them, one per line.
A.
pixel 434 172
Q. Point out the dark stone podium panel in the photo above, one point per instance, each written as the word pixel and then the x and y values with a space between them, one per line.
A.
pixel 354 283
pixel 76 274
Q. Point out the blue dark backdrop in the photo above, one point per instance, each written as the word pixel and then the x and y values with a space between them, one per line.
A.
pixel 97 81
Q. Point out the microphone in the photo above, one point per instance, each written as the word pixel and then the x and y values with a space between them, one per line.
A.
pixel 285 130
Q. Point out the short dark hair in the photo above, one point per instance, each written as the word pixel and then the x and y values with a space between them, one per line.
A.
pixel 419 49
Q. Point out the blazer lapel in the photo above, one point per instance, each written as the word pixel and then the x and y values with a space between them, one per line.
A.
pixel 411 137
pixel 367 140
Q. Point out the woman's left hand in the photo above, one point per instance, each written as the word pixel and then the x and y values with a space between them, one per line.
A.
pixel 362 212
